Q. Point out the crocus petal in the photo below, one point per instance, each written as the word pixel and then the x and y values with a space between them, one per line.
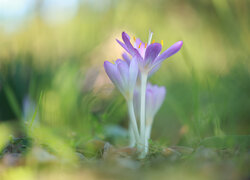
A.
pixel 113 75
pixel 159 98
pixel 152 52
pixel 138 42
pixel 169 52
pixel 131 49
pixel 154 98
pixel 140 46
pixel 118 61
pixel 150 103
pixel 133 73
pixel 154 69
pixel 127 35
pixel 123 45
pixel 124 72
pixel 126 57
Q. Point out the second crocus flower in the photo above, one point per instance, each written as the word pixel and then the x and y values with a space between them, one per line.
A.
pixel 124 75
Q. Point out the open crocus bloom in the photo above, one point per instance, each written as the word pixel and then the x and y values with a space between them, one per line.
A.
pixel 123 74
pixel 148 55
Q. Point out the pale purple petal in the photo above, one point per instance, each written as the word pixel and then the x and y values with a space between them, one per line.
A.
pixel 127 35
pixel 126 57
pixel 152 52
pixel 150 103
pixel 140 48
pixel 169 52
pixel 154 98
pixel 138 42
pixel 118 61
pixel 131 49
pixel 124 72
pixel 127 42
pixel 154 69
pixel 160 93
pixel 123 45
pixel 111 71
pixel 133 73
pixel 113 75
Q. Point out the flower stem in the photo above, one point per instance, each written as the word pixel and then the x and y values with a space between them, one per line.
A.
pixel 147 132
pixel 144 77
pixel 133 122
pixel 132 141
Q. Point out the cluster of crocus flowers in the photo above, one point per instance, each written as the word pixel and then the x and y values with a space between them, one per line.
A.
pixel 144 100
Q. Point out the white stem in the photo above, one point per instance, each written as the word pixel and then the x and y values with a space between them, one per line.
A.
pixel 149 123
pixel 148 131
pixel 131 136
pixel 144 77
pixel 133 120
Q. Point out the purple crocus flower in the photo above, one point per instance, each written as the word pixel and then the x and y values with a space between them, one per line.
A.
pixel 148 55
pixel 123 74
pixel 147 99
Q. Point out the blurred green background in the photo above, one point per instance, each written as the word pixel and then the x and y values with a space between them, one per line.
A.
pixel 52 77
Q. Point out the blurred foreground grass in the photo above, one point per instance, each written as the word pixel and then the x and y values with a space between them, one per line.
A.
pixel 58 109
